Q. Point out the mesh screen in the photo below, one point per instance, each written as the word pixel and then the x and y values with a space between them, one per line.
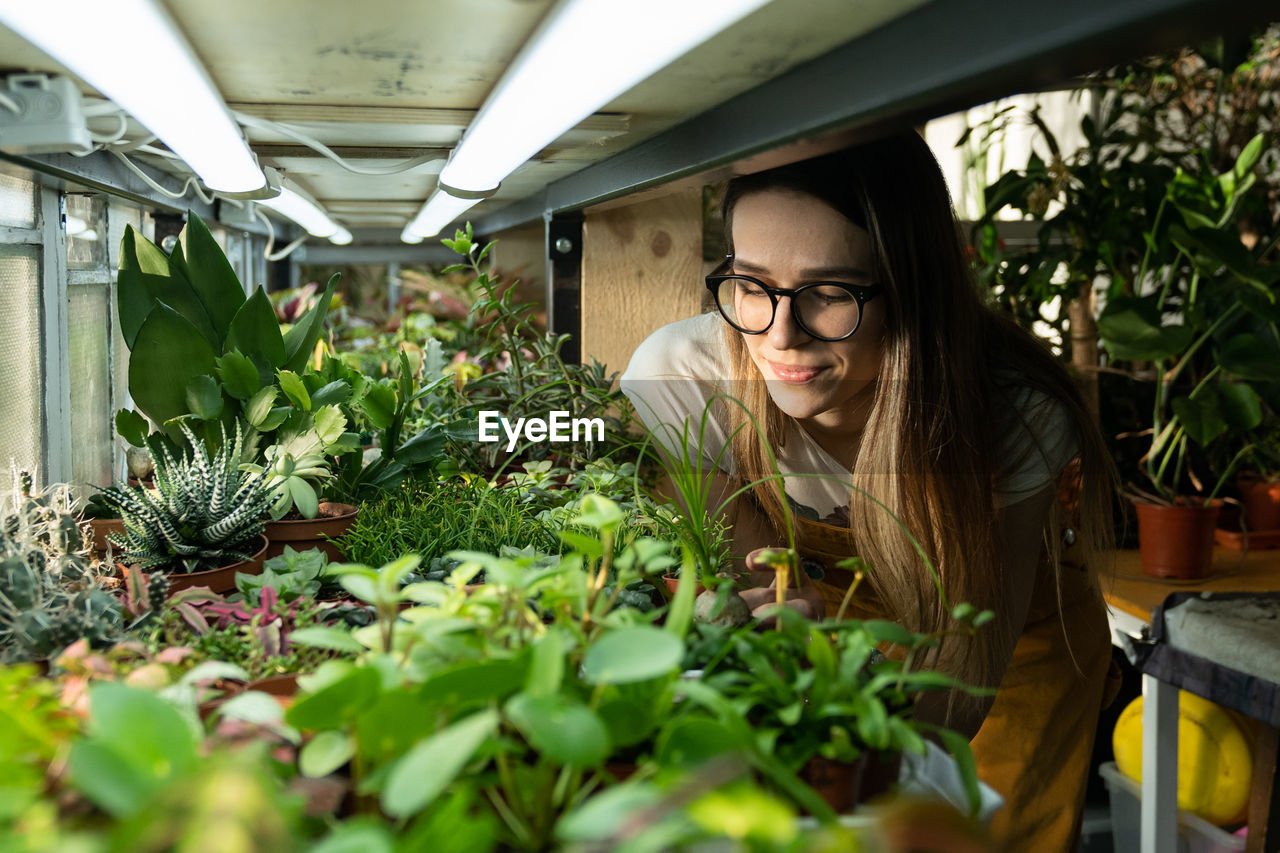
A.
pixel 21 384
pixel 86 231
pixel 17 201
pixel 87 331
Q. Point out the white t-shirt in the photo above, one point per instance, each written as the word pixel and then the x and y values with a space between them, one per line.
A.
pixel 678 369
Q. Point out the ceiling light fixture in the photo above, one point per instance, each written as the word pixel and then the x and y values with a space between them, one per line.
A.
pixel 441 209
pixel 341 237
pixel 131 52
pixel 568 69
pixel 305 211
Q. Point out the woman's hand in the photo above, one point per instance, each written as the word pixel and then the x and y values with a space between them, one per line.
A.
pixel 807 601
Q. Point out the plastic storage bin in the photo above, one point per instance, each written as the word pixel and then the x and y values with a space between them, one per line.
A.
pixel 1195 835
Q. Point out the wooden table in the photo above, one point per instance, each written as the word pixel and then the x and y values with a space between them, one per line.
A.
pixel 1131 597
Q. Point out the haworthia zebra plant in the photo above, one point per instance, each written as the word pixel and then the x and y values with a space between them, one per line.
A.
pixel 203 513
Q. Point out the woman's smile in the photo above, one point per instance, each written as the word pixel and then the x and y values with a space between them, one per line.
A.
pixel 794 374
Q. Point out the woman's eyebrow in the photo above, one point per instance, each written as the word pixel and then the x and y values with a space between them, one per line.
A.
pixel 808 273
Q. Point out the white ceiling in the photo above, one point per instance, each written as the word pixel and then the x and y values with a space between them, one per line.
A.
pixel 388 80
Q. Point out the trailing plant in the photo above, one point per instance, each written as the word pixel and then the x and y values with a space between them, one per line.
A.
pixel 203 513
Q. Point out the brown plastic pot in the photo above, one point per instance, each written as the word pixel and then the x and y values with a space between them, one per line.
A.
pixel 1177 541
pixel 222 579
pixel 843 785
pixel 1261 500
pixel 305 534
pixel 673 583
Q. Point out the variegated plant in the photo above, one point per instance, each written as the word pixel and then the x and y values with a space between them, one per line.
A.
pixel 202 513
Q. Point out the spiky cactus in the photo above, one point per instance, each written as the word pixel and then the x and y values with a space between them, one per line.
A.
pixel 48 596
pixel 203 513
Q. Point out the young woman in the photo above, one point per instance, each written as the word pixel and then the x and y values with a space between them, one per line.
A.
pixel 849 325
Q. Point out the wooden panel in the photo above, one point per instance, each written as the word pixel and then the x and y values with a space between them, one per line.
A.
pixel 521 254
pixel 641 269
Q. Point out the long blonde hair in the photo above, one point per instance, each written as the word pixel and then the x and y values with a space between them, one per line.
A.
pixel 942 404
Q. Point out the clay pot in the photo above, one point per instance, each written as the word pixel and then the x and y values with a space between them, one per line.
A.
pixel 305 534
pixel 222 579
pixel 673 582
pixel 844 785
pixel 1261 499
pixel 1177 541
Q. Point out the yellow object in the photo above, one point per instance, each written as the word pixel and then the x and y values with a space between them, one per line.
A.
pixel 1215 756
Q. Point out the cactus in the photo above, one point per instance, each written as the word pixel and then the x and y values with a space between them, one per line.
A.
pixel 48 595
pixel 203 513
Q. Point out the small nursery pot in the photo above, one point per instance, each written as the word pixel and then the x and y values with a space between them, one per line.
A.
pixel 1261 500
pixel 1177 541
pixel 304 534
pixel 101 528
pixel 221 579
pixel 673 583
pixel 843 785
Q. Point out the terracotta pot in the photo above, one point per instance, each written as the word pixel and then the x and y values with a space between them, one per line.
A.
pixel 282 687
pixel 222 579
pixel 101 528
pixel 1177 541
pixel 304 534
pixel 844 785
pixel 1261 499
pixel 673 581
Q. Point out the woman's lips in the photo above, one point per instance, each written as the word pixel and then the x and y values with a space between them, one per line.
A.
pixel 794 374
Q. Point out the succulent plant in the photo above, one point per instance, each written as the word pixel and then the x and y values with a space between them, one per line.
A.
pixel 48 595
pixel 202 513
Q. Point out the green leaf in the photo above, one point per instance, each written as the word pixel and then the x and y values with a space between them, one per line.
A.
pixel 332 705
pixel 325 753
pixel 1239 404
pixel 565 731
pixel 475 683
pixel 300 340
pixel 146 278
pixel 426 445
pixel 635 653
pixel 546 671
pixel 255 331
pixel 294 388
pixel 274 419
pixel 329 423
pixel 426 770
pixel 891 632
pixel 959 748
pixel 1132 330
pixel 379 404
pixel 333 394
pixel 239 376
pixel 212 278
pixel 204 397
pixel 167 354
pixel 680 610
pixel 132 427
pixel 1250 357
pixel 1199 418
pixel 693 741
pixel 583 544
pixel 304 497
pixel 326 638
pixel 109 780
pixel 353 837
pixel 259 406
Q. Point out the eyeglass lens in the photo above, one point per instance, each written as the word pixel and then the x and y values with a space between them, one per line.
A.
pixel 825 310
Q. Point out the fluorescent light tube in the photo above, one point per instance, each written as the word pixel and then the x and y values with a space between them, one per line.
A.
pixel 131 52
pixel 303 211
pixel 341 237
pixel 583 55
pixel 441 209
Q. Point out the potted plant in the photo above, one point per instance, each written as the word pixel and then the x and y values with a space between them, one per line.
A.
pixel 202 522
pixel 1207 328
pixel 1259 479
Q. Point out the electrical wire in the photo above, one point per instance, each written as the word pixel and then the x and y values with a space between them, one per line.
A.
pixel 192 183
pixel 271 239
pixel 121 129
pixel 10 104
pixel 315 145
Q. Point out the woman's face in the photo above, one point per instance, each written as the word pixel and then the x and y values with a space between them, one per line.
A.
pixel 786 239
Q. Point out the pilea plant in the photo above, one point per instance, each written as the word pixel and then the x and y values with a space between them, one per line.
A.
pixel 202 514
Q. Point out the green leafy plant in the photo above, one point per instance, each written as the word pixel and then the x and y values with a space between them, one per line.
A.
pixel 292 575
pixel 198 346
pixel 202 514
pixel 299 463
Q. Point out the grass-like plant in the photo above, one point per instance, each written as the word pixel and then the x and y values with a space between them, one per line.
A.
pixel 203 513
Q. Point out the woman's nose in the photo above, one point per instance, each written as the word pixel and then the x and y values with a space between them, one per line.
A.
pixel 784 333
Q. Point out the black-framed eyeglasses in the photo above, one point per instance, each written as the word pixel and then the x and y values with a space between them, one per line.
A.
pixel 825 310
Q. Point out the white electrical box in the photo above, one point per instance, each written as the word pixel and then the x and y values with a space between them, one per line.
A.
pixel 47 118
